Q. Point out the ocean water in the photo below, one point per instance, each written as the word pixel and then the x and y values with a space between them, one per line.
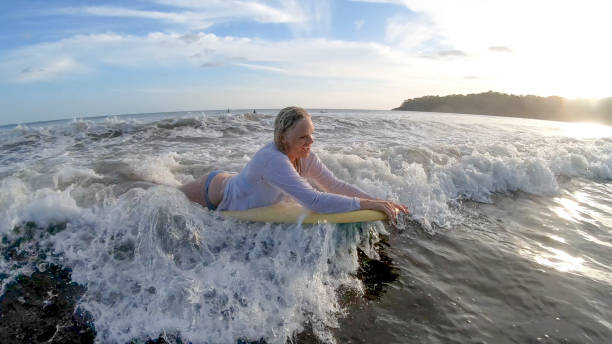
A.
pixel 509 240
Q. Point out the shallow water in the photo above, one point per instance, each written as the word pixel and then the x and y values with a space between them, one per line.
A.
pixel 508 241
pixel 511 273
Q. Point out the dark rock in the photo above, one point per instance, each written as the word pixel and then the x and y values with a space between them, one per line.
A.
pixel 41 308
pixel 375 274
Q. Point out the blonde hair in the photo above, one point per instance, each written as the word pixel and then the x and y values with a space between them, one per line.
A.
pixel 286 120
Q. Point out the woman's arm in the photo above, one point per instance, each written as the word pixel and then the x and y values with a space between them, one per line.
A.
pixel 318 172
pixel 392 209
pixel 324 177
pixel 279 172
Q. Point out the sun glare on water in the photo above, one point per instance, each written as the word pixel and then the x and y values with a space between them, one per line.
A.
pixel 586 130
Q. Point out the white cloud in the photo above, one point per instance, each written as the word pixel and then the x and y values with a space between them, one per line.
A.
pixel 261 67
pixel 315 14
pixel 541 62
pixel 530 25
pixel 557 46
pixel 56 67
pixel 190 19
pixel 298 57
pixel 410 34
pixel 303 17
pixel 324 59
pixel 500 49
pixel 359 24
pixel 260 11
pixel 366 75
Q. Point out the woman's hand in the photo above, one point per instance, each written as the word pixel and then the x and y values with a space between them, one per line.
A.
pixel 392 209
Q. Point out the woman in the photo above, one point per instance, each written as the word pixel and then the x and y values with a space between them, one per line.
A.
pixel 281 168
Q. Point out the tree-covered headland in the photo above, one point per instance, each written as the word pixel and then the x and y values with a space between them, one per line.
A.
pixel 501 104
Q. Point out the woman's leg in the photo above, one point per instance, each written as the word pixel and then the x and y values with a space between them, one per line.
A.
pixel 217 187
pixel 195 189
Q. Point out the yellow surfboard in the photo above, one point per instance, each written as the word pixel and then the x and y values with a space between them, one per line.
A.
pixel 286 212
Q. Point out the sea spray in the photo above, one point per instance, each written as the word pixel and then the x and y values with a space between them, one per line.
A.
pixel 153 261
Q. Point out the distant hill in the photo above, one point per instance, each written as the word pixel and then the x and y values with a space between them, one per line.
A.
pixel 501 104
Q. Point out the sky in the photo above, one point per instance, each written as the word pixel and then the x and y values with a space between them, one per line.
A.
pixel 65 58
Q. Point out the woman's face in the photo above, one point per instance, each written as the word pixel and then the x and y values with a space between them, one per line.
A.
pixel 298 139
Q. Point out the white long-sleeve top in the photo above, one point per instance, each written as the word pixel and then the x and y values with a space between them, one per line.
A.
pixel 269 176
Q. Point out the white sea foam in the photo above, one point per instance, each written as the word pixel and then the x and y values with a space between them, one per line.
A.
pixel 80 125
pixel 478 176
pixel 14 195
pixel 157 169
pixel 70 174
pixel 19 204
pixel 196 133
pixel 157 262
pixel 48 207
